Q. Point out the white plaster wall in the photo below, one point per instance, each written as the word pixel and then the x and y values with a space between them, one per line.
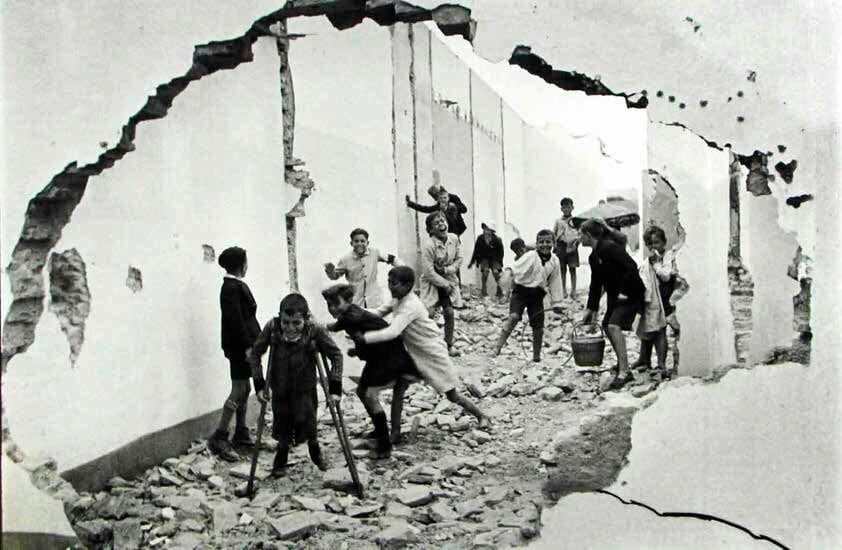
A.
pixel 700 177
pixel 348 152
pixel 152 359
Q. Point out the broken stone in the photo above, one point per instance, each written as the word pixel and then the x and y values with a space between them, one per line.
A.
pixel 550 393
pixel 117 481
pixel 440 512
pixel 265 500
pixel 246 519
pixel 470 507
pixel 216 482
pixel 294 526
pixel 548 457
pixel 243 470
pixel 93 532
pixel 362 510
pixel 640 391
pixel 186 540
pixel 492 461
pixel 397 534
pixel 495 495
pixel 398 510
pixel 481 437
pixel 308 503
pixel 169 479
pixel 414 495
pixel 339 479
pixel 224 516
pixel 168 513
pixel 192 525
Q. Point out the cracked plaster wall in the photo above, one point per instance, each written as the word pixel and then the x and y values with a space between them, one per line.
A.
pixel 700 177
pixel 156 206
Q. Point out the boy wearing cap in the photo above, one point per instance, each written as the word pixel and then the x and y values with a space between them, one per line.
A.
pixel 488 255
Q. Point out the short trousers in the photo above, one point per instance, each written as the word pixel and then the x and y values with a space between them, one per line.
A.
pixel 239 368
pixel 530 299
pixel 622 314
pixel 485 264
pixel 569 259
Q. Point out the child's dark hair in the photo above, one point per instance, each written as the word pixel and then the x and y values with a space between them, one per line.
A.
pixel 544 233
pixel 293 303
pixel 404 274
pixel 429 221
pixel 232 259
pixel 652 231
pixel 566 201
pixel 598 230
pixel 333 293
pixel 517 244
pixel 359 231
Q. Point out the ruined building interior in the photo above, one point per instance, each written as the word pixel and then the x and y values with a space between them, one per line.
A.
pixel 140 140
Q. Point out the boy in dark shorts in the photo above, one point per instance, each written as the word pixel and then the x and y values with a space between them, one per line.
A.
pixel 488 255
pixel 534 273
pixel 567 246
pixel 294 340
pixel 386 364
pixel 239 329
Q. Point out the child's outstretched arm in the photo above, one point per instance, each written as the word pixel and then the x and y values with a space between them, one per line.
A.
pixel 397 326
pixel 261 344
pixel 420 207
pixel 326 346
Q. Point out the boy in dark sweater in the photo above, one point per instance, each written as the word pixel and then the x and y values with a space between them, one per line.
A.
pixel 239 329
pixel 386 364
pixel 488 255
pixel 294 340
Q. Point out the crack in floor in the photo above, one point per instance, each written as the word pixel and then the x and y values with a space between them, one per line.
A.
pixel 695 515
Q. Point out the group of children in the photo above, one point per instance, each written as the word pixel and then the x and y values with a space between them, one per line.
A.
pixel 409 347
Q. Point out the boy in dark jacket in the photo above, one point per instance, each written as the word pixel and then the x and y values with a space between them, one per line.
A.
pixel 239 329
pixel 386 364
pixel 294 340
pixel 488 255
pixel 447 203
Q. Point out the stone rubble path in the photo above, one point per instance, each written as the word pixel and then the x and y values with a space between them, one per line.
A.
pixel 449 485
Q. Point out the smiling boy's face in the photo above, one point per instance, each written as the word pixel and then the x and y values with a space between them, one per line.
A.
pixel 398 288
pixel 567 210
pixel 359 243
pixel 292 325
pixel 544 245
pixel 657 244
pixel 440 226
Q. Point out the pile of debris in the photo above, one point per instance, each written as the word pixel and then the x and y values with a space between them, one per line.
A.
pixel 449 482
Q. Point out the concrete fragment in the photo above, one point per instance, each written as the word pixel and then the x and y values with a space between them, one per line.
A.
pixel 440 512
pixel 192 525
pixel 216 482
pixel 481 436
pixel 243 470
pixel 224 516
pixel 550 393
pixel 168 513
pixel 93 533
pixel 168 478
pixel 294 526
pixel 495 495
pixel 413 495
pixel 363 510
pixel 398 510
pixel 339 479
pixel 399 533
pixel 312 504
pixel 245 519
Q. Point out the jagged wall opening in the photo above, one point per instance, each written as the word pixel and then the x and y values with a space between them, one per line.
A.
pixel 70 299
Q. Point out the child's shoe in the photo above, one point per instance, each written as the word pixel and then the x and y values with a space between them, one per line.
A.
pixel 242 438
pixel 218 444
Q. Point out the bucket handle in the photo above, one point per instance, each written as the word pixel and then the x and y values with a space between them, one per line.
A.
pixel 578 326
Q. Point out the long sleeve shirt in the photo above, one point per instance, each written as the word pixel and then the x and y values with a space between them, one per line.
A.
pixel 614 271
pixel 422 338
pixel 447 257
pixel 361 273
pixel 239 324
pixel 453 213
pixel 485 250
pixel 532 272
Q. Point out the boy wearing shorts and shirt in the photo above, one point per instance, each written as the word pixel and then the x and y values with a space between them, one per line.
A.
pixel 360 269
pixel 441 258
pixel 534 273
pixel 567 246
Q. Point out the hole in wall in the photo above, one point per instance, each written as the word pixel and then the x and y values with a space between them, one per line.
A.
pixel 134 279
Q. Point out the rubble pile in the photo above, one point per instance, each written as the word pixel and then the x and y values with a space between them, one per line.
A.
pixel 448 484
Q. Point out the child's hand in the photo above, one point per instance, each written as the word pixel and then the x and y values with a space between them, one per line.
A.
pixel 408 200
pixel 558 309
pixel 330 270
pixel 587 318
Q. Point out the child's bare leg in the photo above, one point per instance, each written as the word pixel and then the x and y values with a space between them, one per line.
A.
pixel 618 342
pixel 371 402
pixel 449 327
pixel 496 273
pixel 563 278
pixel 661 349
pixel 398 393
pixel 572 281
pixel 505 331
pixel 466 404
pixel 484 272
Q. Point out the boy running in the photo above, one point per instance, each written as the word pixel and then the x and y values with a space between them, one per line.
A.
pixel 360 269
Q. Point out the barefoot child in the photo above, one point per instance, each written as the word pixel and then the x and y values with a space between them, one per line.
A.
pixel 360 269
pixel 567 246
pixel 663 288
pixel 534 273
pixel 239 329
pixel 386 364
pixel 488 255
pixel 422 339
pixel 441 258
pixel 294 340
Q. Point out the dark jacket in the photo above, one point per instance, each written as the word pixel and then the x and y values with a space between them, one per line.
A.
pixel 239 324
pixel 293 364
pixel 486 251
pixel 455 223
pixel 614 271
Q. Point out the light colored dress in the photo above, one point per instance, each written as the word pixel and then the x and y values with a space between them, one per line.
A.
pixel 361 273
pixel 654 315
pixel 422 338
pixel 448 255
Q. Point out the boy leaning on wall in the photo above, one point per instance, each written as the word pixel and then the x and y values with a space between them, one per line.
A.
pixel 360 269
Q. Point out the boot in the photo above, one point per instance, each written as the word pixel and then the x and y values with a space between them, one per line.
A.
pixel 384 444
pixel 644 360
pixel 242 437
pixel 279 466
pixel 537 342
pixel 316 455
pixel 218 444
